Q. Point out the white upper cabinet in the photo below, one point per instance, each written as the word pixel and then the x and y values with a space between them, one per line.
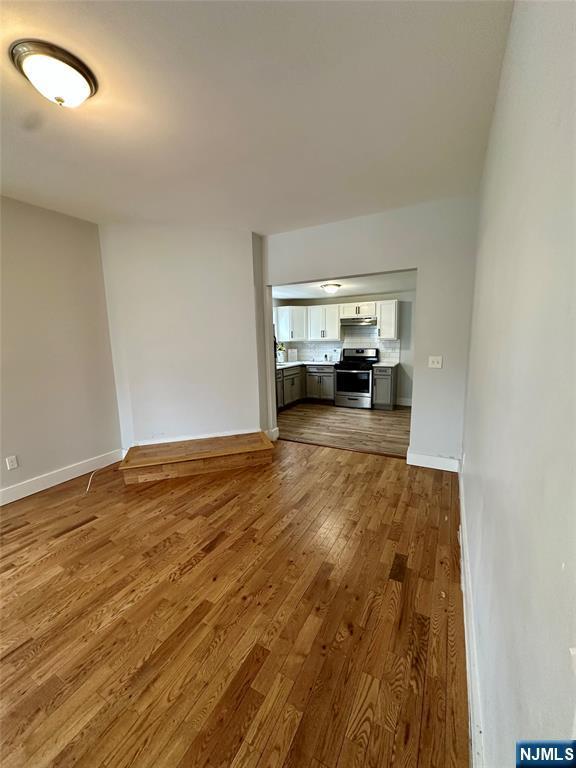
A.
pixel 367 308
pixel 284 325
pixel 275 320
pixel 324 322
pixel 348 310
pixel 300 323
pixel 292 324
pixel 388 320
pixel 315 323
pixel 358 309
pixel 332 322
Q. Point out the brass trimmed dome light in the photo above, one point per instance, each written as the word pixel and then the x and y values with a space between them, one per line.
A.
pixel 56 73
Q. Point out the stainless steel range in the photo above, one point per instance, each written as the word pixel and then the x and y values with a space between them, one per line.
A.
pixel 354 377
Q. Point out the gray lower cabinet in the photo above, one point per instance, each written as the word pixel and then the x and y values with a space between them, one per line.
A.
pixel 312 385
pixel 384 388
pixel 320 383
pixel 327 386
pixel 279 389
pixel 294 385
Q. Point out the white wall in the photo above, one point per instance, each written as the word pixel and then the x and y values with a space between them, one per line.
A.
pixel 518 481
pixel 406 313
pixel 262 317
pixel 182 315
pixel 58 398
pixel 439 240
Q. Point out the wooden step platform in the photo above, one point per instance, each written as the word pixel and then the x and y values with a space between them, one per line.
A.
pixel 164 461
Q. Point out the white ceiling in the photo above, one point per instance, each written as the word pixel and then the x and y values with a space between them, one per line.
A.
pixel 265 116
pixel 365 285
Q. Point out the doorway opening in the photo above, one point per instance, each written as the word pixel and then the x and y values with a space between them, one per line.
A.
pixel 344 361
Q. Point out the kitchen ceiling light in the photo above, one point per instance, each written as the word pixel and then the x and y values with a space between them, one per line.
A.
pixel 330 287
pixel 57 74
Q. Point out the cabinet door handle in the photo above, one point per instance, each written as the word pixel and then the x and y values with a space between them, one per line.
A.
pixel 291 334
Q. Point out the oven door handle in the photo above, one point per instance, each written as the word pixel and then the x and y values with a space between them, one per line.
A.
pixel 343 370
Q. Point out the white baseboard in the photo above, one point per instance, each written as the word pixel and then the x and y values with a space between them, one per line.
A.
pixel 446 463
pixel 273 434
pixel 473 677
pixel 179 438
pixel 41 482
pixel 403 401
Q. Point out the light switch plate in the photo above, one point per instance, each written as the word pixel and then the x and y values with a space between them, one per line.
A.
pixel 435 361
pixel 12 462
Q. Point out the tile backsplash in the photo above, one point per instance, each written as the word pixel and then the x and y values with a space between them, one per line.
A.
pixel 353 337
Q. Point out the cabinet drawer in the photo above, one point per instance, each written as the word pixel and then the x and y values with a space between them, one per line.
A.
pixel 291 372
pixel 382 372
pixel 328 370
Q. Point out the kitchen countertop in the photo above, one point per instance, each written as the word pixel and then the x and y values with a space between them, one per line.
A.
pixel 297 363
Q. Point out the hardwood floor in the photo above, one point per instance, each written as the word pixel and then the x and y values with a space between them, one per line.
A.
pixel 368 431
pixel 305 614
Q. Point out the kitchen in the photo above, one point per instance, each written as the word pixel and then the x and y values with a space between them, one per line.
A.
pixel 344 362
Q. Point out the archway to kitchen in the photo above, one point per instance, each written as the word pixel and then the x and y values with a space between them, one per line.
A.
pixel 344 361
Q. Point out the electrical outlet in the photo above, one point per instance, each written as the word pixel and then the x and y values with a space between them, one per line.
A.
pixel 435 361
pixel 12 462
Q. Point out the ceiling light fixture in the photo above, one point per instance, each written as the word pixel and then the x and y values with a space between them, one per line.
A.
pixel 330 287
pixel 57 74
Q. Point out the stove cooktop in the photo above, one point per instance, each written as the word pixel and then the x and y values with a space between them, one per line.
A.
pixel 359 359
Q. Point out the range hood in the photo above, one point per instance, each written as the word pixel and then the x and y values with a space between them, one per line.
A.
pixel 368 320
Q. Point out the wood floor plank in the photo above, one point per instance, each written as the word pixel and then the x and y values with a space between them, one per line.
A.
pixel 368 431
pixel 364 712
pixel 304 614
pixel 457 738
pixel 409 721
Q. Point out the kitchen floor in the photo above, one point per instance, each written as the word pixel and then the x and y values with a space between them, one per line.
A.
pixel 368 431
